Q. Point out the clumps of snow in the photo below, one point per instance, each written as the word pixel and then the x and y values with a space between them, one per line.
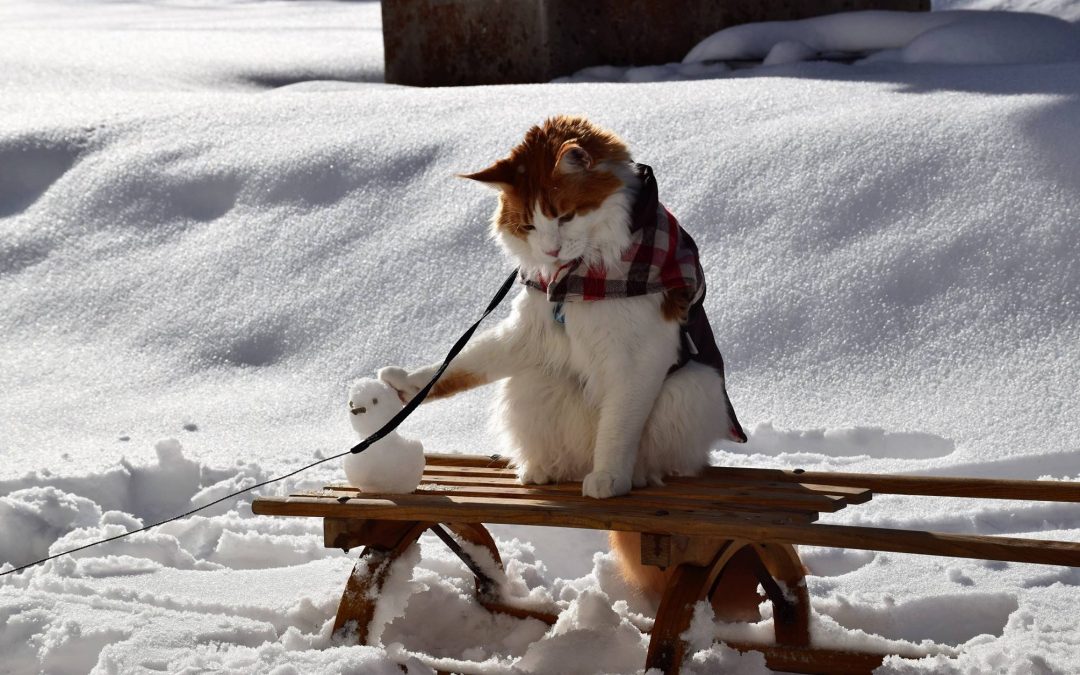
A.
pixel 986 38
pixel 705 655
pixel 152 545
pixel 788 51
pixel 606 576
pixel 278 659
pixel 31 519
pixel 944 619
pixel 853 32
pixel 974 516
pixel 949 37
pixel 589 637
pixel 723 659
pixel 44 514
pixel 1068 10
pixel 115 565
pixel 440 582
pixel 394 596
pixel 833 562
pixel 257 550
pixel 988 653
pixel 173 484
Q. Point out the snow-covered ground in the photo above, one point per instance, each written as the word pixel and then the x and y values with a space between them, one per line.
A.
pixel 213 217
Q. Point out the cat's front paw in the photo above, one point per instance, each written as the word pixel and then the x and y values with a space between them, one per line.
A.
pixel 400 380
pixel 530 474
pixel 601 485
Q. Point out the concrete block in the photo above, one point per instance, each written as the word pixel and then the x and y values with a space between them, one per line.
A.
pixel 469 42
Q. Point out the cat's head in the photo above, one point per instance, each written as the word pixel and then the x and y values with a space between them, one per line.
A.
pixel 565 193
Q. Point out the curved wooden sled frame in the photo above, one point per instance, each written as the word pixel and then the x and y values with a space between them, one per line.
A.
pixel 715 536
pixel 384 543
pixel 688 583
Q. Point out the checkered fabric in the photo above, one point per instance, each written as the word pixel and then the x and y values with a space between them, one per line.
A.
pixel 661 257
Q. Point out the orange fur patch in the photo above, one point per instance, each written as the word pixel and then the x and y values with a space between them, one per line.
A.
pixel 734 598
pixel 558 168
pixel 676 305
pixel 455 381
pixel 647 579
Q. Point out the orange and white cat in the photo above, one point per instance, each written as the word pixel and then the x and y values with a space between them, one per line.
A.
pixel 596 389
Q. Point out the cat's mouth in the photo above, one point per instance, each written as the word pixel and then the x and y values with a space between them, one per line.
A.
pixel 571 253
pixel 565 258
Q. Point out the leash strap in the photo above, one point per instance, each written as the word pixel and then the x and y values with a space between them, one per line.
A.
pixel 360 447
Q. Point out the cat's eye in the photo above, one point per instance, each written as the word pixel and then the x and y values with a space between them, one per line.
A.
pixel 566 219
pixel 529 228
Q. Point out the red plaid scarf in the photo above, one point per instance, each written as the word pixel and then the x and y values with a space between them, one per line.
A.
pixel 661 257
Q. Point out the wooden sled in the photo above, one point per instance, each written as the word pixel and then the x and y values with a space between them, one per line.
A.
pixel 697 526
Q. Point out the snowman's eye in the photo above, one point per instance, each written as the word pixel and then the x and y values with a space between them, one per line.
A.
pixel 374 401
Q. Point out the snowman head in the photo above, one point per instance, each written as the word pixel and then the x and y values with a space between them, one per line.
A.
pixel 371 405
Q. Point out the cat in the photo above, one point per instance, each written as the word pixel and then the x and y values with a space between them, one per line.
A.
pixel 609 372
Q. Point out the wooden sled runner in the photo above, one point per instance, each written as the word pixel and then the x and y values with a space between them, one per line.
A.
pixel 695 526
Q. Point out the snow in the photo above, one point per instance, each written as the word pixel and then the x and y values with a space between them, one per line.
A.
pixel 213 218
pixel 956 37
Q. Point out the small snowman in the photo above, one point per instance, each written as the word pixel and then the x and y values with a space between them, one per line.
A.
pixel 393 464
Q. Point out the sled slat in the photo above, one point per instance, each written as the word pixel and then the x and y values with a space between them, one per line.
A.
pixel 447 459
pixel 765 495
pixel 817 496
pixel 936 486
pixel 333 499
pixel 681 486
pixel 661 497
pixel 574 498
pixel 602 516
pixel 471 471
pixel 760 527
pixel 658 498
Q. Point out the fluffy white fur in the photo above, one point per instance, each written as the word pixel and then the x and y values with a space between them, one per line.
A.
pixel 590 400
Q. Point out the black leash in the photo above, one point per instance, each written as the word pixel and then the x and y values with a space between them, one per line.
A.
pixel 359 447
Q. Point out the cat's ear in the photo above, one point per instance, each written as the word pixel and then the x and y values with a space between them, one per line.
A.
pixel 573 158
pixel 499 175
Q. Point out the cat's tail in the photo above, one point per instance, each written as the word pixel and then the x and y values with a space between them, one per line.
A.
pixel 734 597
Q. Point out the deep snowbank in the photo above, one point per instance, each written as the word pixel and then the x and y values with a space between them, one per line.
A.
pixel 899 254
pixel 892 254
pixel 953 37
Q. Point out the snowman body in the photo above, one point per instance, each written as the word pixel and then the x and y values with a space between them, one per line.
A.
pixel 393 464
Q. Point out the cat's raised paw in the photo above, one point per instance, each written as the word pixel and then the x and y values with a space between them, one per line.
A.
pixel 601 485
pixel 399 379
